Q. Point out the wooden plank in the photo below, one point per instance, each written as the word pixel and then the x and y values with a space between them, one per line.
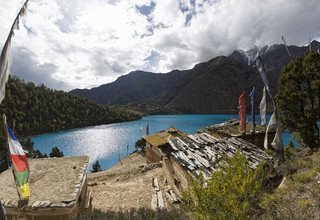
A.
pixel 154 202
pixel 88 200
pixel 173 195
pixel 160 200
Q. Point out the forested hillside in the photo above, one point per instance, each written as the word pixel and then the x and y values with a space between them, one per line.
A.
pixel 32 109
pixel 37 109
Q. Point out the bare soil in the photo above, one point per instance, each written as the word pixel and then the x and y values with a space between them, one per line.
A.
pixel 126 185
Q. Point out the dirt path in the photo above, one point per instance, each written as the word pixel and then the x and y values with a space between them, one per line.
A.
pixel 124 186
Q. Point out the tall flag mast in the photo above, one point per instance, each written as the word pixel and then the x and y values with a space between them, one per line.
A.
pixel 285 44
pixel 309 41
pixel 274 121
pixel 5 64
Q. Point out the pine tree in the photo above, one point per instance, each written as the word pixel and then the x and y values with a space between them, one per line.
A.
pixel 96 167
pixel 55 152
pixel 298 98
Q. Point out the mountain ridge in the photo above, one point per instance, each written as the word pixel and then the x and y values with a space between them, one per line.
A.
pixel 209 87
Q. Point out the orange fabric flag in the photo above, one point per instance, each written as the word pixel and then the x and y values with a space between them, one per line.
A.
pixel 242 112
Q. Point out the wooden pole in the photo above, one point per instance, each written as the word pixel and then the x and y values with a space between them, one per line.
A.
pixel 18 15
pixel 119 154
pixel 127 150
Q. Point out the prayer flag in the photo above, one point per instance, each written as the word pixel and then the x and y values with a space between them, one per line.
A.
pixel 20 165
pixel 6 53
pixel 263 107
pixel 242 112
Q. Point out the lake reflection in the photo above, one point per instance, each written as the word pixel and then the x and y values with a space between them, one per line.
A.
pixel 102 142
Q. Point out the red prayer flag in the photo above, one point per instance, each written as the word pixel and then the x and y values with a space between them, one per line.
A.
pixel 242 112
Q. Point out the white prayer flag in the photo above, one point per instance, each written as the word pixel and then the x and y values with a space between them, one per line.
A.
pixel 271 123
pixel 5 63
pixel 5 66
pixel 263 75
pixel 263 107
pixel 277 141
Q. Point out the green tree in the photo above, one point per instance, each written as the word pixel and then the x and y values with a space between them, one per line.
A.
pixel 140 144
pixel 298 98
pixel 96 167
pixel 55 152
pixel 230 193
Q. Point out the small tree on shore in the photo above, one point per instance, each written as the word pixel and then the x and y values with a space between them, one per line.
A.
pixel 96 167
pixel 55 152
pixel 140 144
pixel 298 98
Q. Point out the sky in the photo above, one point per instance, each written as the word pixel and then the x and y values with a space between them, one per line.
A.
pixel 68 44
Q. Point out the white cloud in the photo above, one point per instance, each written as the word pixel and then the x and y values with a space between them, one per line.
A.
pixel 80 44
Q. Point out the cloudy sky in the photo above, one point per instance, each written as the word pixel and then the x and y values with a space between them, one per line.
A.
pixel 69 44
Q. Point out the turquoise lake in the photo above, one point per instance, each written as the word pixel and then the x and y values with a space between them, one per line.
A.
pixel 102 142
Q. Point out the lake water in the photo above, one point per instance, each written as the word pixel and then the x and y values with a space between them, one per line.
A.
pixel 102 142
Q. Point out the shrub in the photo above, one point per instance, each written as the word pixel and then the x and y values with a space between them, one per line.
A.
pixel 231 193
pixel 96 167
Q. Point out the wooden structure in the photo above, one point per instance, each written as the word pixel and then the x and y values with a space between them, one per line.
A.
pixel 230 129
pixel 58 190
pixel 183 155
pixel 153 153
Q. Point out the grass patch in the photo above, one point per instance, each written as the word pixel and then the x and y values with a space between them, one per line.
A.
pixel 300 198
pixel 305 176
pixel 135 214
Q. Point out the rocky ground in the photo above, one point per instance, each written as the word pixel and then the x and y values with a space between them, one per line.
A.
pixel 126 185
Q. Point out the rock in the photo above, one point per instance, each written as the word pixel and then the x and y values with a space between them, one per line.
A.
pixel 45 204
pixel 307 151
pixel 36 204
pixel 283 183
pixel 92 184
pixel 155 184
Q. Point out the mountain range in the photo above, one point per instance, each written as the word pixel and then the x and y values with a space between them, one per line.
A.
pixel 209 87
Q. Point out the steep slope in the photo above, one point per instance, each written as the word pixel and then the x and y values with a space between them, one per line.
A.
pixel 209 87
pixel 214 87
pixel 136 87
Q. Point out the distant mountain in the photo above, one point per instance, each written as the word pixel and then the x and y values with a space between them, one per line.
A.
pixel 209 87
pixel 136 87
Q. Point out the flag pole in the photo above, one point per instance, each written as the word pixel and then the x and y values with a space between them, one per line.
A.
pixel 22 10
pixel 8 151
pixel 309 41
pixel 285 44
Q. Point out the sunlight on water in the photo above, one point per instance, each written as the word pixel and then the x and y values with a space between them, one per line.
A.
pixel 102 142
